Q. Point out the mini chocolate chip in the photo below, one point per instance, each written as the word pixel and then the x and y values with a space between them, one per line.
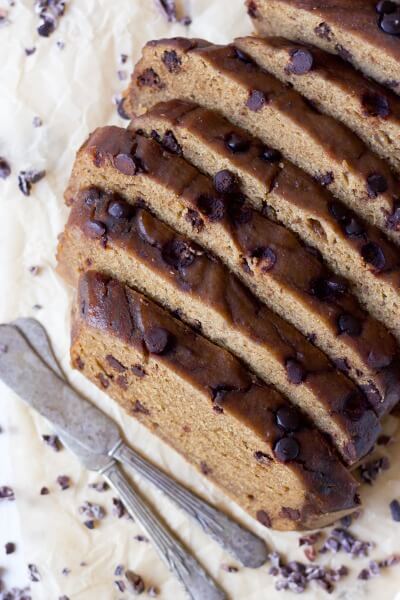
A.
pixel 125 164
pixel 270 154
pixel 395 510
pixel 393 220
pixel 138 370
pixel 242 56
pixel 44 491
pixel 287 448
pixel 10 547
pixel 252 10
pixel 149 78
pixel 90 524
pixel 374 255
pixel 288 418
pixel 5 169
pixel 64 481
pixel 157 340
pixel 385 7
pixel 193 217
pixel 350 325
pixel 212 207
pixel 46 28
pixel 262 457
pixel 135 582
pixel 354 407
pixel 170 143
pixel 172 61
pixel 376 184
pixel 295 371
pixel 264 518
pixel 375 105
pixel 257 99
pixel 390 22
pixel 325 179
pixel 290 513
pixel 236 144
pixel 95 229
pixel 103 380
pixel 301 61
pixel 225 182
pixel 119 209
pixel 323 31
pixel 327 289
pixel 34 574
pixel 115 364
pixel 91 196
pixel 178 254
pixel 138 407
pixel 353 228
pixel 343 52
pixel 205 469
pixel 267 257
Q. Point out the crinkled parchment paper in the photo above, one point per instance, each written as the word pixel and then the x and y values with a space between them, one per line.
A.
pixel 71 90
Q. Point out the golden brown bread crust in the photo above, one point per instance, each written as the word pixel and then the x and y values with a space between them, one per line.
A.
pixel 349 28
pixel 336 88
pixel 115 327
pixel 138 167
pixel 131 245
pixel 225 79
pixel 288 194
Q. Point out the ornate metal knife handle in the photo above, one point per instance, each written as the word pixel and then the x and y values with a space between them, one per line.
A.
pixel 249 549
pixel 197 583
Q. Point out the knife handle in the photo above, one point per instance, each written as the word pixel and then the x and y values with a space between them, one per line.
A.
pixel 245 546
pixel 198 585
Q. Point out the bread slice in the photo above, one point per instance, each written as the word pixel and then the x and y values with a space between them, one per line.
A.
pixel 200 399
pixel 224 78
pixel 263 254
pixel 349 28
pixel 287 194
pixel 140 250
pixel 336 88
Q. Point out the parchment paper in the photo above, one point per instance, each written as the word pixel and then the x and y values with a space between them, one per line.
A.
pixel 71 90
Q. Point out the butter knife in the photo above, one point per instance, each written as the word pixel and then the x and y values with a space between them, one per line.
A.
pixel 248 548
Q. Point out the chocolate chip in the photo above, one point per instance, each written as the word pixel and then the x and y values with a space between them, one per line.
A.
pixel 350 325
pixel 53 441
pixel 90 524
pixel 27 178
pixel 178 254
pixel 44 491
pixel 120 585
pixel 252 10
pixel 267 257
pixel 5 169
pixel 46 28
pixel 390 22
pixel 135 582
pixel 172 61
pixel 120 102
pixel 270 154
pixel 225 182
pixel 343 52
pixel 125 164
pixel 393 220
pixel 115 364
pixel 34 574
pixel 193 217
pixel 64 481
pixel 170 143
pixel 119 570
pixel 384 7
pixel 7 493
pixel 219 392
pixel 286 449
pixel 354 406
pixel 30 51
pixel 236 144
pixel 243 57
pixel 295 371
pixel 10 548
pixel 138 371
pixel 376 184
pixel 301 62
pixel 157 340
pixel 374 255
pixel 395 510
pixel 325 179
pixel 205 469
pixel 264 518
pixel 375 105
pixel 323 31
pixel 353 228
pixel 328 289
pixel 138 407
pixel 118 209
pixel 95 229
pixel 212 207
pixel 257 99
pixel 290 513
pixel 288 418
pixel 149 78
pixel 118 509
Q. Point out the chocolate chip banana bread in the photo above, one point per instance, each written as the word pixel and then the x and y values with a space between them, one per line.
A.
pixel 336 88
pixel 363 32
pixel 352 248
pixel 263 254
pixel 226 79
pixel 127 242
pixel 200 399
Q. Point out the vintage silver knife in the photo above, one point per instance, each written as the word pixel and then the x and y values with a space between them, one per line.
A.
pixel 244 545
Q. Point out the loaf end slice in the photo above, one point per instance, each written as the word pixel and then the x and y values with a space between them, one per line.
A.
pixel 200 400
